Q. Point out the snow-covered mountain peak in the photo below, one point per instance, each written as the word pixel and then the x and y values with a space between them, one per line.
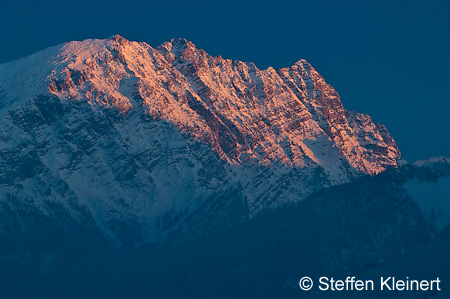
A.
pixel 182 44
pixel 181 49
pixel 119 39
pixel 121 127
pixel 303 63
pixel 215 100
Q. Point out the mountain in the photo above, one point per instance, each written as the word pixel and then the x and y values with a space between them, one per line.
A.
pixel 140 143
pixel 132 171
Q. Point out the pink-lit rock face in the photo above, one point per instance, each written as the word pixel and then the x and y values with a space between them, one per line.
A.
pixel 151 136
pixel 247 115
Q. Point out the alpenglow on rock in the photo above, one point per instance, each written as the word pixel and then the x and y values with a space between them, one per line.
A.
pixel 145 142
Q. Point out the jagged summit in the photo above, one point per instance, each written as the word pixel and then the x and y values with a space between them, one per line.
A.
pixel 126 129
pixel 118 39
pixel 182 43
pixel 302 63
pixel 194 90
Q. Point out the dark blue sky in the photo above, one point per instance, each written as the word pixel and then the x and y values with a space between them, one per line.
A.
pixel 389 60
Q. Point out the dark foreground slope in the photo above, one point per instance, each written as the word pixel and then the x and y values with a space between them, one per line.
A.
pixel 368 228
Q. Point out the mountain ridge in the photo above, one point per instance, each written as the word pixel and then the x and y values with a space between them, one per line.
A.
pixel 152 138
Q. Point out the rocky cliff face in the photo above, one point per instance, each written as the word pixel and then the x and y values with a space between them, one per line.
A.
pixel 146 142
